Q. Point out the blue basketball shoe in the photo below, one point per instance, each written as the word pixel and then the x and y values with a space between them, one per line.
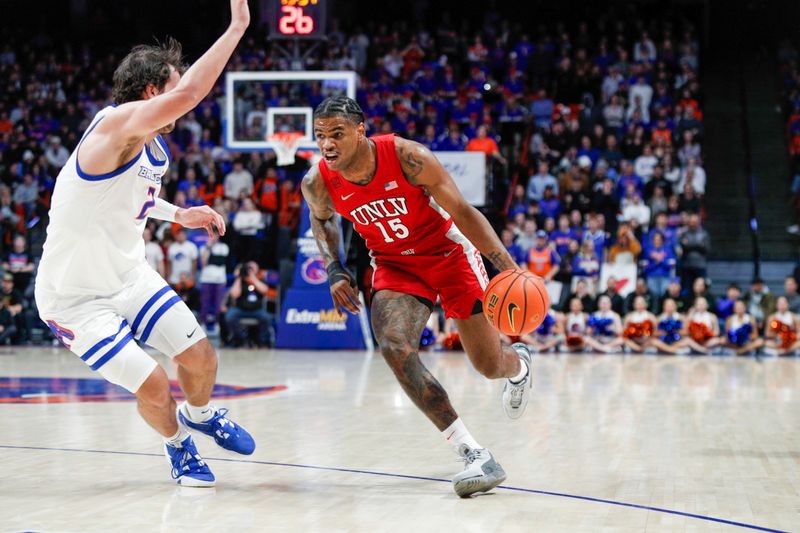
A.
pixel 188 468
pixel 225 433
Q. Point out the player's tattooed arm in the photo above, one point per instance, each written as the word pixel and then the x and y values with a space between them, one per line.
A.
pixel 502 260
pixel 325 227
pixel 324 221
pixel 421 168
pixel 412 156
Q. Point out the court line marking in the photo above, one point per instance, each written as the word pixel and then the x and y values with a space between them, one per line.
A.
pixel 419 478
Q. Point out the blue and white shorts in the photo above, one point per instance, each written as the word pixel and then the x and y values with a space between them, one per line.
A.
pixel 101 330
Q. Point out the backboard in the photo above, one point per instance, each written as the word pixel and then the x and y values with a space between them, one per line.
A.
pixel 261 104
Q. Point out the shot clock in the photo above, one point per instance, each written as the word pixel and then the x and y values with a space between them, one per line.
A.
pixel 297 19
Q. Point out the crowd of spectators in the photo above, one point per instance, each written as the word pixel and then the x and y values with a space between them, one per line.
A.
pixel 592 133
pixel 615 161
pixel 790 82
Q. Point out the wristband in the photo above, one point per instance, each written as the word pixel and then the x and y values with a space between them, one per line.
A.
pixel 163 210
pixel 337 272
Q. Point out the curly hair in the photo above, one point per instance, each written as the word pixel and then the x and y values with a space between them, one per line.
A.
pixel 146 64
pixel 340 106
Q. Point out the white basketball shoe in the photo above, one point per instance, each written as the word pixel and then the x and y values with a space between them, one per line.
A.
pixel 481 472
pixel 515 395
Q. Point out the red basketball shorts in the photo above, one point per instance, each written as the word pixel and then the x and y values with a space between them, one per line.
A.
pixel 456 276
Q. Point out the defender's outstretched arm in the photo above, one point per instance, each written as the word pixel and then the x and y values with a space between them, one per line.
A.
pixel 135 120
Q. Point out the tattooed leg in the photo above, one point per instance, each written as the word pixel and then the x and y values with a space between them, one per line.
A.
pixel 482 344
pixel 398 320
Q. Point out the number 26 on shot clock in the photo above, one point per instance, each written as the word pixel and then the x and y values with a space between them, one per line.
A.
pixel 300 18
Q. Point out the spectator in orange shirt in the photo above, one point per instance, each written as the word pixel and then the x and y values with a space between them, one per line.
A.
pixel 542 259
pixel 483 143
pixel 211 189
pixel 290 199
pixel 627 248
pixel 5 123
pixel 662 135
pixel 794 146
pixel 265 193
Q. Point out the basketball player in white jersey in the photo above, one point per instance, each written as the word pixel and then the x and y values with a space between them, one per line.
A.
pixel 94 288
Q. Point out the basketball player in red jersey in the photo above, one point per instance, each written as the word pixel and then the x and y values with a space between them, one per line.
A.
pixel 411 215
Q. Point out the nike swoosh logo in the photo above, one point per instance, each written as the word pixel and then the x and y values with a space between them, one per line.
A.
pixel 348 196
pixel 511 308
pixel 447 254
pixel 189 335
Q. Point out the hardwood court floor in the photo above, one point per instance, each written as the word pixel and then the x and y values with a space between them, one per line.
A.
pixel 686 444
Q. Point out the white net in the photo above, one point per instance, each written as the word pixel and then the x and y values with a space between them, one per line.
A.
pixel 285 146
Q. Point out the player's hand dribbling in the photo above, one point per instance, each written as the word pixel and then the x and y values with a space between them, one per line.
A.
pixel 201 217
pixel 344 289
pixel 345 296
pixel 240 14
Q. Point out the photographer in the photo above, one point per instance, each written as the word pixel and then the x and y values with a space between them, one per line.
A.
pixel 247 299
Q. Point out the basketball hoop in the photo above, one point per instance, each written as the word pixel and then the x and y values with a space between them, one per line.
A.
pixel 285 144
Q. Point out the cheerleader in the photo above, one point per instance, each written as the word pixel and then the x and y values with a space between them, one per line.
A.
pixel 548 335
pixel 430 335
pixel 703 327
pixel 605 328
pixel 671 332
pixel 449 338
pixel 741 334
pixel 781 330
pixel 575 326
pixel 638 327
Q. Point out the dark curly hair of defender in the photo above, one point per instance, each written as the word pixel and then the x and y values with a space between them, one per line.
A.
pixel 340 106
pixel 146 64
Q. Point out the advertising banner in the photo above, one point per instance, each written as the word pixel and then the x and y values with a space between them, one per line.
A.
pixel 308 317
pixel 469 172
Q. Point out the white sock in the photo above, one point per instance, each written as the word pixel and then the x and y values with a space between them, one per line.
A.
pixel 178 437
pixel 199 413
pixel 457 434
pixel 523 371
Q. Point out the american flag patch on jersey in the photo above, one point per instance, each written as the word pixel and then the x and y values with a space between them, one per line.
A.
pixel 390 185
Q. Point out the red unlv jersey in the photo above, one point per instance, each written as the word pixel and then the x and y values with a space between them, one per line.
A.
pixel 394 217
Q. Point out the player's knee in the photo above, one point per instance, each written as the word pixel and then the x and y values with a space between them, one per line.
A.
pixel 208 356
pixel 489 367
pixel 199 358
pixel 395 350
pixel 155 390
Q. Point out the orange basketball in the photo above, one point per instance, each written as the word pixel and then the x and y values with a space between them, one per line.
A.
pixel 516 302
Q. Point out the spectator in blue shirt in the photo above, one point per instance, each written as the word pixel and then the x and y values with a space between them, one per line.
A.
pixel 627 176
pixel 658 265
pixel 189 182
pixel 550 205
pixel 540 180
pixel 428 137
pixel 519 202
pixel 612 154
pixel 586 265
pixel 562 235
pixel 597 236
pixel 542 110
pixel 523 49
pixel 513 249
pixel 588 150
pixel 661 226
pixel 454 141
pixel 725 305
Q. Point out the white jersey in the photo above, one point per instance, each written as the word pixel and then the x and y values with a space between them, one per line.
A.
pixel 786 318
pixel 703 317
pixel 96 222
pixel 576 324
